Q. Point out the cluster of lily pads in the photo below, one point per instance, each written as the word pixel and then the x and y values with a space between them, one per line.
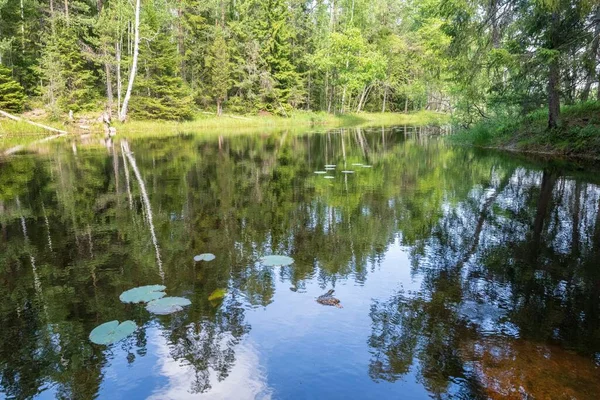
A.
pixel 332 167
pixel 157 302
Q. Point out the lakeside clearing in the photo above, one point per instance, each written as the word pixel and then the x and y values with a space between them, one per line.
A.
pixel 14 133
pixel 577 135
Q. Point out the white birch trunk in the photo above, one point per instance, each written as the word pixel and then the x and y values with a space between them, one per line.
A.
pixel 136 43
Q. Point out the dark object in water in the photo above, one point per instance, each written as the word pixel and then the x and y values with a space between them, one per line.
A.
pixel 327 299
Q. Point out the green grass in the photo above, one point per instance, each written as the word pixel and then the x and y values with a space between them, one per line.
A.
pixel 20 133
pixel 296 121
pixel 578 133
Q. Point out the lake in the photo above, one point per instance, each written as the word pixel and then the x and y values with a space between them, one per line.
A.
pixel 461 273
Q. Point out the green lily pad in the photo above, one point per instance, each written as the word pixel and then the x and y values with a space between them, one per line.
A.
pixel 112 332
pixel 367 166
pixel 276 260
pixel 143 294
pixel 357 164
pixel 328 177
pixel 204 257
pixel 330 165
pixel 347 172
pixel 329 168
pixel 217 294
pixel 167 305
pixel 320 172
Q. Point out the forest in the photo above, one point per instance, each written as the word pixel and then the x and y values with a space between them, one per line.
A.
pixel 479 60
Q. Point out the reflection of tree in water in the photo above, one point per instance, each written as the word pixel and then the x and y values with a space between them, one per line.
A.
pixel 208 345
pixel 516 259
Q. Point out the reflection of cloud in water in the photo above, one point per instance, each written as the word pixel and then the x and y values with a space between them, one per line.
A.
pixel 247 380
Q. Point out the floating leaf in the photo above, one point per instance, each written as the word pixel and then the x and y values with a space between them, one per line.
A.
pixel 204 257
pixel 143 294
pixel 329 169
pixel 328 177
pixel 167 305
pixel 276 260
pixel 320 172
pixel 357 164
pixel 217 294
pixel 367 166
pixel 112 332
pixel 347 172
pixel 330 166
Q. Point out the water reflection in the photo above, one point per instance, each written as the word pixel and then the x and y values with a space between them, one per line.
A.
pixel 473 266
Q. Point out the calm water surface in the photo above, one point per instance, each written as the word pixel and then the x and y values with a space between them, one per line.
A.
pixel 462 274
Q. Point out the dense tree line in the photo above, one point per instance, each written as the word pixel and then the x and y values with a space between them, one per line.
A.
pixel 166 58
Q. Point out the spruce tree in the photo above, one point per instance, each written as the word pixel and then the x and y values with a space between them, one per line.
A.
pixel 12 95
pixel 160 92
pixel 69 77
pixel 218 66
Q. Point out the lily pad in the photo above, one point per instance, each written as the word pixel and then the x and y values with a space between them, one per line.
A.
pixel 217 294
pixel 357 164
pixel 112 332
pixel 167 305
pixel 143 294
pixel 330 165
pixel 329 168
pixel 367 166
pixel 328 177
pixel 320 172
pixel 276 260
pixel 347 172
pixel 204 257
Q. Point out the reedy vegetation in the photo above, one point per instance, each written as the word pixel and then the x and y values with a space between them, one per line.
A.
pixel 479 59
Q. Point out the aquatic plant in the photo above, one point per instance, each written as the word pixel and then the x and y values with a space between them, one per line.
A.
pixel 112 332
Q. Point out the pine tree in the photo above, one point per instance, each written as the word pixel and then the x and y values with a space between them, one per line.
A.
pixel 160 92
pixel 12 95
pixel 218 65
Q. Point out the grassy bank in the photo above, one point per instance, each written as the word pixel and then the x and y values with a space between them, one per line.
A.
pixel 578 134
pixel 20 133
pixel 298 120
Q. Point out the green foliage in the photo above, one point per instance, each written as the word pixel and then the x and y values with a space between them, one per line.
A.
pixel 69 80
pixel 12 95
pixel 160 93
pixel 577 135
pixel 218 66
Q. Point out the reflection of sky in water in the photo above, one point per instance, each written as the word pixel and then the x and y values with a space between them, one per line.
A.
pixel 307 348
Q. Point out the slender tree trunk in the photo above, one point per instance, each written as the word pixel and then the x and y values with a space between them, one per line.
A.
pixel 384 98
pixel 67 11
pixel 219 108
pixel 22 28
pixel 593 58
pixel 553 95
pixel 406 105
pixel 136 43
pixel 554 78
pixel 180 38
pixel 119 79
pixel 109 89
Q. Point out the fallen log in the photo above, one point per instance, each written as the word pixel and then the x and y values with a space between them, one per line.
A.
pixel 19 119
